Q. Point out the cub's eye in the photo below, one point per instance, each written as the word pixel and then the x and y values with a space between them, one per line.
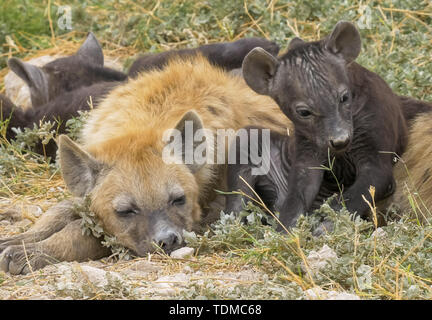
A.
pixel 126 212
pixel 303 112
pixel 179 201
pixel 344 97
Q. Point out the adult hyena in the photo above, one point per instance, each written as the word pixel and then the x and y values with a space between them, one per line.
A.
pixel 413 172
pixel 137 196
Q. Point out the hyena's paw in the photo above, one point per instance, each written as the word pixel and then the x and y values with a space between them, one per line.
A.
pixel 17 260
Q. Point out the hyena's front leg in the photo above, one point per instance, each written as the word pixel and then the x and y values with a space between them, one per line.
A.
pixel 52 221
pixel 69 244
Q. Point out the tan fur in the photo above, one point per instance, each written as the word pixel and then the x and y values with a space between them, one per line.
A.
pixel 127 127
pixel 413 173
pixel 121 159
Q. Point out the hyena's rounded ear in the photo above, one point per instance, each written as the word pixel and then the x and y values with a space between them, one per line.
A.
pixel 91 51
pixel 183 146
pixel 34 77
pixel 259 67
pixel 78 167
pixel 344 41
pixel 194 119
pixel 295 42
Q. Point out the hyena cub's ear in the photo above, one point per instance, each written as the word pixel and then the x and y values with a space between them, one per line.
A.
pixel 184 145
pixel 344 41
pixel 295 43
pixel 259 67
pixel 79 168
pixel 91 51
pixel 34 77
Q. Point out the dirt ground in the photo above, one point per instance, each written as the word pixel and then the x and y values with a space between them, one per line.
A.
pixel 183 275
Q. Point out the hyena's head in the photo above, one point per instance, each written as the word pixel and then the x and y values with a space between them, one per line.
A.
pixel 139 197
pixel 84 68
pixel 311 85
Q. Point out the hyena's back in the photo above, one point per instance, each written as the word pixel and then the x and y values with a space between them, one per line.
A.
pixel 155 101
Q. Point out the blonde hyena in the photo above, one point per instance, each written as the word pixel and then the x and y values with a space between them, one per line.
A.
pixel 137 196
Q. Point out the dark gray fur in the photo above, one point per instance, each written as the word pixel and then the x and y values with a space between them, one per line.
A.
pixel 227 55
pixel 336 106
pixel 62 75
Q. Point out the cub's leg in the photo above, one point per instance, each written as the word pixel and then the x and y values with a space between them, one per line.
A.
pixel 52 221
pixel 69 244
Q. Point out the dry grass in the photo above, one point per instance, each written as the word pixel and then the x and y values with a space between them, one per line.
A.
pixel 397 46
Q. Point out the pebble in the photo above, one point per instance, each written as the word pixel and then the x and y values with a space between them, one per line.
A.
pixel 182 253
pixel 96 276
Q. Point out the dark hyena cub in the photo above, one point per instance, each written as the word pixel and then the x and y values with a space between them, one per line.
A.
pixel 83 69
pixel 339 109
pixel 226 55
pixel 411 174
pixel 65 86
pixel 60 89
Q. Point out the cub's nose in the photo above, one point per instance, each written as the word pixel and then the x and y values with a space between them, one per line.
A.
pixel 340 143
pixel 167 240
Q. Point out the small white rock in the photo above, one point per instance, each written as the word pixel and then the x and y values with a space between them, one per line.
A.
pixel 144 266
pixel 182 253
pixel 97 277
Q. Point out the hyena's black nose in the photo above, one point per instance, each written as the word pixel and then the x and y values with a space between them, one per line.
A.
pixel 340 142
pixel 167 240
